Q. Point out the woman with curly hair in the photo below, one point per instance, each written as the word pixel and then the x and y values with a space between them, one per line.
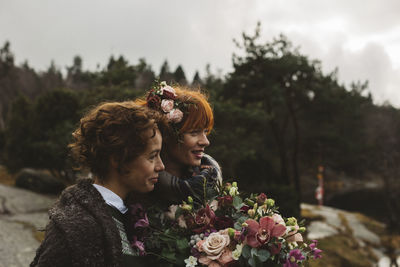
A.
pixel 120 144
pixel 188 170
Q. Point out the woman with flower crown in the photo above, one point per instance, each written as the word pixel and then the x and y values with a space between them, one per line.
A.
pixel 188 170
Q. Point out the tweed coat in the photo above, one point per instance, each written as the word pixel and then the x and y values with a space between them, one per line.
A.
pixel 81 231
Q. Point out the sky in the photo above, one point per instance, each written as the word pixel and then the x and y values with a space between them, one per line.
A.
pixel 361 38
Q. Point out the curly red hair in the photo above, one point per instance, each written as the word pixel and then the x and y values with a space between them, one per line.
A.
pixel 114 129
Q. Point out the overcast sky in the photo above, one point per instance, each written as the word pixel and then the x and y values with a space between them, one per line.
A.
pixel 359 37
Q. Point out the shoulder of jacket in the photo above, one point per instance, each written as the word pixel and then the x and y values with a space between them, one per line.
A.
pixel 208 160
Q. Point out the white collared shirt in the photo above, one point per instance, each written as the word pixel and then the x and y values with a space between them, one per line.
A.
pixel 111 198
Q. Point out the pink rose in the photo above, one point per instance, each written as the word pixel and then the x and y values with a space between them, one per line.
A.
pixel 169 92
pixel 215 244
pixel 175 115
pixel 226 257
pixel 167 105
pixel 292 235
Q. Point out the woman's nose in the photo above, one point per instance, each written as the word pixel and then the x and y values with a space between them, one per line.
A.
pixel 159 165
pixel 203 141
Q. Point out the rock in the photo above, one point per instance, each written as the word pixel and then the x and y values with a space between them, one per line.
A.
pixel 19 236
pixel 23 201
pixel 38 181
pixel 319 230
pixel 17 246
pixel 360 231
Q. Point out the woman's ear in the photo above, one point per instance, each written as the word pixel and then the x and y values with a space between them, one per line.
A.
pixel 113 163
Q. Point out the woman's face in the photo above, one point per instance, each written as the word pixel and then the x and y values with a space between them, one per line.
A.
pixel 191 150
pixel 143 170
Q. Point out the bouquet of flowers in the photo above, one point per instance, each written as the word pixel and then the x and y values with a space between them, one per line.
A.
pixel 229 230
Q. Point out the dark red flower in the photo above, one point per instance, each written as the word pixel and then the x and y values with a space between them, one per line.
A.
pixel 205 218
pixel 222 223
pixel 261 198
pixel 244 209
pixel 153 101
pixel 225 201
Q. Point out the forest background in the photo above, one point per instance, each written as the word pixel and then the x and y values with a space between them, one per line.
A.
pixel 277 118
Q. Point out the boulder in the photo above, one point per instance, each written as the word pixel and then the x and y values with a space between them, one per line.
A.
pixel 38 181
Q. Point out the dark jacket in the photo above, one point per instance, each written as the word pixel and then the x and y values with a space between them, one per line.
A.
pixel 81 231
pixel 172 190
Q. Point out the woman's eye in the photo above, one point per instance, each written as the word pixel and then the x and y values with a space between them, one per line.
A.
pixel 194 132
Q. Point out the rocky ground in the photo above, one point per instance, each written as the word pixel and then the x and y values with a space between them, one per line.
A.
pixel 348 239
pixel 23 215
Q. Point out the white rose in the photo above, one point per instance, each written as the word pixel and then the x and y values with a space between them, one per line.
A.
pixel 237 252
pixel 167 105
pixel 215 244
pixel 175 115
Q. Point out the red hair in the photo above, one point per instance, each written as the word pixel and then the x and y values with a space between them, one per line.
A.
pixel 199 114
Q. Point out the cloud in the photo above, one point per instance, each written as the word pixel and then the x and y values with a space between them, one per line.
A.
pixel 360 37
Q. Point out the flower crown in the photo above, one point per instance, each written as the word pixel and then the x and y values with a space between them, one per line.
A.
pixel 162 97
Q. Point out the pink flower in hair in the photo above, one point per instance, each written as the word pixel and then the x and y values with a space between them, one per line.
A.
pixel 175 115
pixel 167 105
pixel 168 91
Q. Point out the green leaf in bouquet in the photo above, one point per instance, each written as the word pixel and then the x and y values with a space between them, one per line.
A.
pixel 237 202
pixel 252 262
pixel 168 254
pixel 246 251
pixel 237 226
pixel 242 219
pixel 239 221
pixel 166 238
pixel 255 262
pixel 263 255
pixel 182 244
pixel 254 252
